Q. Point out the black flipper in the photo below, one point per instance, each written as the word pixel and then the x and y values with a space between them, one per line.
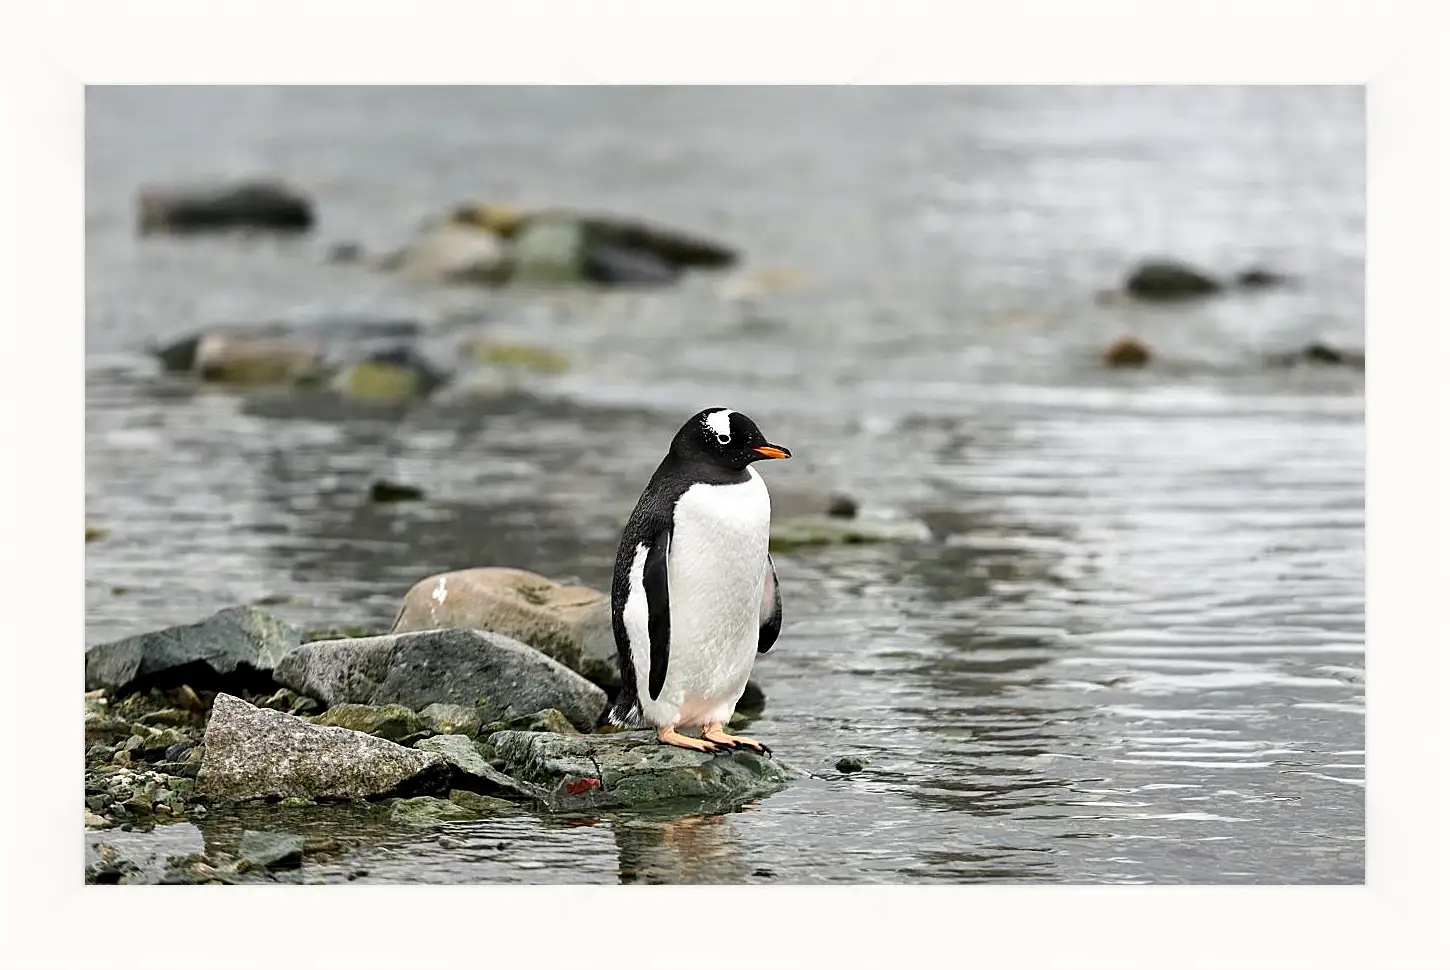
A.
pixel 657 599
pixel 769 608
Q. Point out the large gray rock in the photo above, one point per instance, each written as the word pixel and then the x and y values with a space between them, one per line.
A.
pixel 571 624
pixel 499 676
pixel 252 752
pixel 235 649
pixel 633 770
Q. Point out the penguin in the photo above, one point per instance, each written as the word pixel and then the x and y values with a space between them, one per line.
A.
pixel 695 597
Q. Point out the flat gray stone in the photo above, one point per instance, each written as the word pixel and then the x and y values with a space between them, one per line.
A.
pixel 271 850
pixel 251 752
pixel 472 772
pixel 498 676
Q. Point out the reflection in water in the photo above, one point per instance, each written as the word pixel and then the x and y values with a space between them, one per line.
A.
pixel 695 849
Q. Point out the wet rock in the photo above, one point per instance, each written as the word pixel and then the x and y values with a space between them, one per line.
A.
pixel 752 701
pixel 851 763
pixel 255 205
pixel 471 770
pixel 425 812
pixel 515 356
pixel 1168 280
pixel 808 531
pixel 1320 354
pixel 385 491
pixel 390 376
pixel 94 821
pixel 114 856
pixel 94 532
pixel 256 753
pixel 271 850
pixel 290 702
pixel 1259 278
pixel 451 251
pixel 500 677
pixel 256 361
pixel 562 246
pixel 570 624
pixel 788 503
pixel 479 804
pixel 632 770
pixel 451 719
pixel 392 722
pixel 234 649
pixel 1127 352
pixel 345 252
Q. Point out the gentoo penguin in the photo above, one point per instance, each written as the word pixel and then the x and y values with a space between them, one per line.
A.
pixel 695 595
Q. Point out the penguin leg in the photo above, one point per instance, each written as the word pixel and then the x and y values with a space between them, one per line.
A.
pixel 716 733
pixel 668 735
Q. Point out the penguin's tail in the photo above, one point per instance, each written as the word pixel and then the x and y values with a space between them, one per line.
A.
pixel 624 714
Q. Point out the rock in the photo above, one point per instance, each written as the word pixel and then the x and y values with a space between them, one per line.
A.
pixel 1319 354
pixel 94 821
pixel 571 624
pixel 244 359
pixel 550 720
pixel 451 251
pixel 345 252
pixel 425 812
pixel 632 770
pixel 479 804
pixel 94 532
pixel 472 772
pixel 256 753
pixel 385 491
pixel 271 850
pixel 1258 278
pixel 786 503
pixel 808 531
pixel 1127 352
pixel 1163 280
pixel 558 245
pixel 514 356
pixel 389 376
pixel 234 649
pixel 290 702
pixel 451 719
pixel 254 205
pixel 500 677
pixel 393 721
pixel 117 856
pixel 851 763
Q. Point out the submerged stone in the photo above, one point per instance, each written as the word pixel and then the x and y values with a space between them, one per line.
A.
pixel 271 850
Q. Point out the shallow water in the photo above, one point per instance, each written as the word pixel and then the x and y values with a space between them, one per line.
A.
pixel 1134 649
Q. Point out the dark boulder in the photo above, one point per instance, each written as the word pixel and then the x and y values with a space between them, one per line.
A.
pixel 261 205
pixel 1166 280
pixel 236 649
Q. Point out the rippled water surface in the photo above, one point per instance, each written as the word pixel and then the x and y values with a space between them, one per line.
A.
pixel 1133 650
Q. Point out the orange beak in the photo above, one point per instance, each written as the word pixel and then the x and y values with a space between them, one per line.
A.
pixel 773 451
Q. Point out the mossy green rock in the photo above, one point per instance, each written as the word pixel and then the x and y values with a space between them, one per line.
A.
pixel 426 811
pixel 479 804
pixel 391 721
pixel 548 720
pixel 633 770
pixel 810 531
pixel 451 719
pixel 271 850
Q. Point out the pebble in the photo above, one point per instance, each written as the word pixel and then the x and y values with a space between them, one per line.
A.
pixel 851 763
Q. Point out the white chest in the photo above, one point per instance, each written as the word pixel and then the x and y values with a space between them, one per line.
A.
pixel 717 563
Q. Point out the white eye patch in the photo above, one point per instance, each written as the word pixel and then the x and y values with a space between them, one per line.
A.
pixel 724 439
pixel 719 422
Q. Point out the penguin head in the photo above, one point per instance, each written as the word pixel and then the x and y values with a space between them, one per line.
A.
pixel 725 439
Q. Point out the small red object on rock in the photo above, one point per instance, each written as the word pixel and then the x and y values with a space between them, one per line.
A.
pixel 581 786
